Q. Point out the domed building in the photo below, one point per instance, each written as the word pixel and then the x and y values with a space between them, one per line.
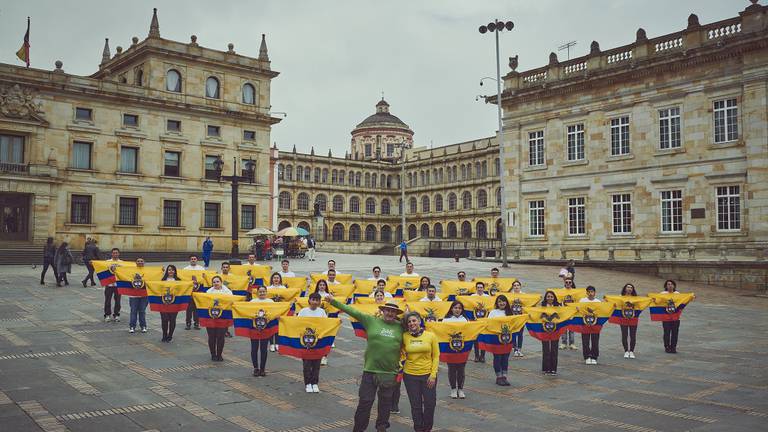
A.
pixel 378 136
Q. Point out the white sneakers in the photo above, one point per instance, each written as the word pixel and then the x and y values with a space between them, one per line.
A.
pixel 131 330
pixel 312 388
pixel 107 319
pixel 273 347
pixel 461 394
pixel 454 394
pixel 309 388
pixel 590 361
pixel 324 361
pixel 563 346
pixel 594 361
pixel 574 347
pixel 517 353
pixel 631 354
pixel 143 329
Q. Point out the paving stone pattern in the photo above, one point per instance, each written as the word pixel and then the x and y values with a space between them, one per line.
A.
pixel 63 369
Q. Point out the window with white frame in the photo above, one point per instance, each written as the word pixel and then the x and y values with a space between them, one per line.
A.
pixel 535 148
pixel 726 113
pixel 669 128
pixel 575 142
pixel 728 208
pixel 129 160
pixel 536 218
pixel 577 216
pixel 620 136
pixel 621 210
pixel 81 155
pixel 284 201
pixel 672 211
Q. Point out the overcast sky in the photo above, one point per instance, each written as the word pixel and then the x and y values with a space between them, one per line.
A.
pixel 335 57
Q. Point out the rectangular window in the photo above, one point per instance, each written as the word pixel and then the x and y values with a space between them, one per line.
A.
pixel 575 142
pixel 131 120
pixel 576 216
pixel 214 131
pixel 210 167
pixel 367 150
pixel 12 149
pixel 726 114
pixel 390 149
pixel 728 208
pixel 171 213
pixel 129 211
pixel 248 219
pixel 672 211
pixel 535 148
pixel 536 218
pixel 172 164
pixel 81 155
pixel 83 114
pixel 211 216
pixel 622 213
pixel 80 209
pixel 129 160
pixel 249 135
pixel 173 126
pixel 669 128
pixel 620 136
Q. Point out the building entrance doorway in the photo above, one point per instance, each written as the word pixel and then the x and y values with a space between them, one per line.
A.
pixel 14 217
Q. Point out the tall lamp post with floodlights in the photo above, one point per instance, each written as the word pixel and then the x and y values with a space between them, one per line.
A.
pixel 403 146
pixel 250 172
pixel 497 27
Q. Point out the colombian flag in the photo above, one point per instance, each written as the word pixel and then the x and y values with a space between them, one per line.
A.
pixel 169 296
pixel 548 323
pixel 567 296
pixel 131 281
pixel 496 337
pixel 215 310
pixel 343 278
pixel 452 288
pixel 477 307
pixel 627 309
pixel 590 316
pixel 456 339
pixel 237 284
pixel 299 282
pixel 302 302
pixel 370 309
pixel 257 274
pixel 669 306
pixel 429 311
pixel 105 270
pixel 258 320
pixel 496 285
pixel 365 287
pixel 279 295
pixel 305 337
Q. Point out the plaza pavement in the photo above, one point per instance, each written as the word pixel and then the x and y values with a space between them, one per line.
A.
pixel 62 368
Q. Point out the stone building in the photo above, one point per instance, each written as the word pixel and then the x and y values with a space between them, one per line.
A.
pixel 128 154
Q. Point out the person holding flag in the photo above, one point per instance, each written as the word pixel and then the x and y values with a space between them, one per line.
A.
pixel 547 323
pixel 422 358
pixel 259 347
pixel 381 362
pixel 667 307
pixel 110 290
pixel 168 319
pixel 456 371
pixel 626 314
pixel 501 360
pixel 312 366
pixel 216 335
pixel 592 314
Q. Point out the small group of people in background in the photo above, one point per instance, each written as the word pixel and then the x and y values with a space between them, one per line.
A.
pixel 59 259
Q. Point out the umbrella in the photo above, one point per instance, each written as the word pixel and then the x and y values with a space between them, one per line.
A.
pixel 259 231
pixel 302 231
pixel 289 232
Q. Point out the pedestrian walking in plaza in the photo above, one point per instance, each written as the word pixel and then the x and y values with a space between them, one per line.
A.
pixel 404 251
pixel 90 252
pixel 138 307
pixel 422 358
pixel 207 249
pixel 311 245
pixel 63 260
pixel 381 362
pixel 49 253
pixel 110 292
pixel 168 319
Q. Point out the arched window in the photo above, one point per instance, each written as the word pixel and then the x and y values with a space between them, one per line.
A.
pixel 466 230
pixel 383 181
pixel 425 204
pixel 302 202
pixel 478 172
pixel 373 180
pixel 284 224
pixel 437 232
pixel 289 172
pixel 386 234
pixel 399 234
pixel 385 206
pixel 249 94
pixel 280 171
pixel 212 88
pixel 466 200
pixel 389 182
pixel 338 232
pixel 482 230
pixel 455 173
pixel 325 175
pixel 322 202
pixel 411 232
pixel 173 81
pixel 498 197
pixel 424 231
pixel 482 198
pixel 334 176
pixel 370 233
pixel 451 230
pixel 412 203
pixel 484 169
pixel 410 180
pixel 338 203
pixel 463 172
pixel 399 206
pixel 303 225
pixel 423 178
pixel 438 203
pixel 342 174
pixel 299 173
pixel 354 232
pixel 284 202
pixel 367 180
pixel 317 175
pixel 139 79
pixel 370 206
pixel 451 201
pixel 354 205
pixel 357 179
pixel 307 174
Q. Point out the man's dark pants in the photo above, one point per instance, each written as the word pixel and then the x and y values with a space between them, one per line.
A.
pixel 370 384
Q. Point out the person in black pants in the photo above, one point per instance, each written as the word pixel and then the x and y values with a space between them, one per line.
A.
pixel 549 347
pixel 260 347
pixel 216 342
pixel 168 319
pixel 629 332
pixel 110 292
pixel 671 328
pixel 90 253
pixel 191 314
pixel 49 252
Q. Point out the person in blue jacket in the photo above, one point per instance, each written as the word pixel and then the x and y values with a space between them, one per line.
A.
pixel 207 249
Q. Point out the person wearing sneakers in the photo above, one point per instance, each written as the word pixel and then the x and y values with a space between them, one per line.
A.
pixel 259 346
pixel 501 361
pixel 422 358
pixel 517 338
pixel 549 351
pixel 479 292
pixel 456 371
pixel 191 314
pixel 629 332
pixel 312 367
pixel 110 292
pixel 590 341
pixel 671 328
pixel 168 319
pixel 381 362
pixel 567 340
pixel 216 335
pixel 138 307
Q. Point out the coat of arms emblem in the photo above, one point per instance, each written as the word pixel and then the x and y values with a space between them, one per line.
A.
pixel 260 320
pixel 457 341
pixel 517 307
pixel 549 325
pixel 215 311
pixel 480 311
pixel 138 282
pixel 671 306
pixel 567 299
pixel 628 310
pixel 309 338
pixel 168 297
pixel 589 317
pixel 430 315
pixel 505 337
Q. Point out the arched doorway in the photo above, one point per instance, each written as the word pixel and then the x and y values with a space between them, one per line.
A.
pixel 424 231
pixel 452 230
pixel 411 232
pixel 284 224
pixel 386 234
pixel 438 231
pixel 466 230
pixel 303 225
pixel 338 232
pixel 482 230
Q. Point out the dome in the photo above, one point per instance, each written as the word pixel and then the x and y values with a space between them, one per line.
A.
pixel 382 117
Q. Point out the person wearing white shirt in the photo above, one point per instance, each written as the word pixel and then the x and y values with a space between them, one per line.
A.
pixel 456 372
pixel 193 264
pixel 376 274
pixel 259 347
pixel 276 281
pixel 331 266
pixel 285 272
pixel 381 286
pixel 590 342
pixel 251 260
pixel 671 328
pixel 501 361
pixel 138 307
pixel 312 367
pixel 431 295
pixel 332 278
pixel 480 290
pixel 168 319
pixel 110 291
pixel 216 336
pixel 409 271
pixel 517 338
pixel 191 314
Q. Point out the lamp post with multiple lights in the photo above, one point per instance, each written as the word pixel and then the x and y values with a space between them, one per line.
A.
pixel 250 172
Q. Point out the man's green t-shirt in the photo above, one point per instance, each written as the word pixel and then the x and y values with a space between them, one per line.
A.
pixel 382 354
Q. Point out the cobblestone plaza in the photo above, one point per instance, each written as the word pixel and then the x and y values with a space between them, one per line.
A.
pixel 62 368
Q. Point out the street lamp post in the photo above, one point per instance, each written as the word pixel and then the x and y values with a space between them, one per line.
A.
pixel 496 27
pixel 235 180
pixel 403 146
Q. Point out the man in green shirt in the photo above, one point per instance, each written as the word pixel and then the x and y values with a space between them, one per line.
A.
pixel 381 364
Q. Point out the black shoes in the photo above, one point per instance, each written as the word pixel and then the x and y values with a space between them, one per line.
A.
pixel 187 327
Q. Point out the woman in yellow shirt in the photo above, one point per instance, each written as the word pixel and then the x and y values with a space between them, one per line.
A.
pixel 422 357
